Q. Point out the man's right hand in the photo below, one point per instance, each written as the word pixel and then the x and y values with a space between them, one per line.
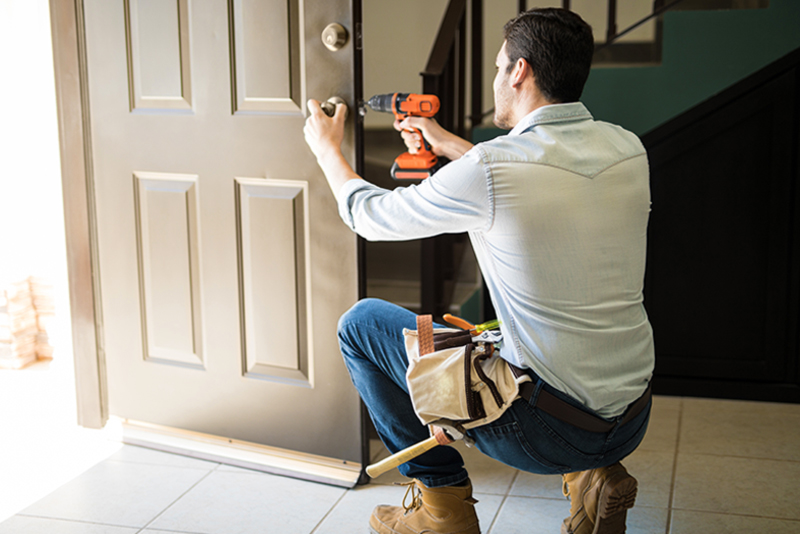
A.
pixel 443 143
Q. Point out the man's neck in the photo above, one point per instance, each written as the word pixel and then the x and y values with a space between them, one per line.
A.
pixel 528 105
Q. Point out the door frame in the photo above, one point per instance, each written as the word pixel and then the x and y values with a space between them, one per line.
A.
pixel 80 219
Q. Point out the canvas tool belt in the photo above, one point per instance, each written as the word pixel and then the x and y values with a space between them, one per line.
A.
pixel 454 377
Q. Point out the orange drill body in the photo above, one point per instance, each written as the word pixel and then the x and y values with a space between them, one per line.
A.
pixel 424 162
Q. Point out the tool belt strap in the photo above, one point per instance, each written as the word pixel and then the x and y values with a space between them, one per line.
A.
pixel 425 332
pixel 568 413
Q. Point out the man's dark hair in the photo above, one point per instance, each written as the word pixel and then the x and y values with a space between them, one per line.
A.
pixel 558 45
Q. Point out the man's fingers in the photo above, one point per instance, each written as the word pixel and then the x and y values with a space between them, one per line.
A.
pixel 314 107
pixel 341 112
pixel 412 140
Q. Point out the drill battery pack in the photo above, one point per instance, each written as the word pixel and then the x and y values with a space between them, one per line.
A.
pixel 409 166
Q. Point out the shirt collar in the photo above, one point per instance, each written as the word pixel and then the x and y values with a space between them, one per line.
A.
pixel 553 113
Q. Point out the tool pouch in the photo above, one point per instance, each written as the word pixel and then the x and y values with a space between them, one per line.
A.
pixel 451 377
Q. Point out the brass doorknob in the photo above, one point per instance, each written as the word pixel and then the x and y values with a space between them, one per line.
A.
pixel 329 106
pixel 334 36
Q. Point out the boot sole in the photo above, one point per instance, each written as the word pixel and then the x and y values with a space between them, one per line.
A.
pixel 617 497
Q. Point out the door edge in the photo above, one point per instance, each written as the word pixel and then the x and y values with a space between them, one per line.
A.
pixel 69 62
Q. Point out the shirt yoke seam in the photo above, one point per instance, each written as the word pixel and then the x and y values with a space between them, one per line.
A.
pixel 601 171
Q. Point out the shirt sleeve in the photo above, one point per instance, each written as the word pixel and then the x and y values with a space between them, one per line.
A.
pixel 455 199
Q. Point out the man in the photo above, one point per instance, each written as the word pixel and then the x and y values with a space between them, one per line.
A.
pixel 557 214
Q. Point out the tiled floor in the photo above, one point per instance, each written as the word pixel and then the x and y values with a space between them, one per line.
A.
pixel 708 466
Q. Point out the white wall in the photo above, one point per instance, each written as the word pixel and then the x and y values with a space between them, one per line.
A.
pixel 31 213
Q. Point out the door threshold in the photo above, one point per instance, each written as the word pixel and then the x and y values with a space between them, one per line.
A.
pixel 243 454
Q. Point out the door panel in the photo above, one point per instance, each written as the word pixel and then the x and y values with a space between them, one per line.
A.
pixel 159 51
pixel 275 279
pixel 260 30
pixel 167 241
pixel 223 264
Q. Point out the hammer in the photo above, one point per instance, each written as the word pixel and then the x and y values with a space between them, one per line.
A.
pixel 441 436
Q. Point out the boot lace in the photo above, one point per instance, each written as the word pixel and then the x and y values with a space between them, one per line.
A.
pixel 416 496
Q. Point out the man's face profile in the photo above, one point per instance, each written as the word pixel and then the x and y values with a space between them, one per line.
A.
pixel 503 96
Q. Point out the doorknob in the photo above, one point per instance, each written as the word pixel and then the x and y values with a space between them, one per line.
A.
pixel 334 36
pixel 329 106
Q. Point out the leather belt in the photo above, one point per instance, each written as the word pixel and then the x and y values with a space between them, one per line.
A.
pixel 568 413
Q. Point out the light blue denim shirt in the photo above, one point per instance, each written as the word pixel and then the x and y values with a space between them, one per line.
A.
pixel 557 214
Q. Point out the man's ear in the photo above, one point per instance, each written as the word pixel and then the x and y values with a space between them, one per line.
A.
pixel 521 71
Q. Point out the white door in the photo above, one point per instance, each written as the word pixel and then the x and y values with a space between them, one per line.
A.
pixel 222 264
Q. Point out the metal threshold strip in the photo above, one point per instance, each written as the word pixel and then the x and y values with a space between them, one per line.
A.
pixel 243 454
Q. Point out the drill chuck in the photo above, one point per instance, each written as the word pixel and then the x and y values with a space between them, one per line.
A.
pixel 382 103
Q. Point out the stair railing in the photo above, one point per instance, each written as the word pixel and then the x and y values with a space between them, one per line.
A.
pixel 659 7
pixel 445 76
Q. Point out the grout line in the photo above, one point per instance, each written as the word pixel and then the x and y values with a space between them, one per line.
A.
pixel 674 467
pixel 739 457
pixel 168 530
pixel 497 514
pixel 734 514
pixel 330 510
pixel 513 481
pixel 536 498
pixel 181 496
pixel 79 521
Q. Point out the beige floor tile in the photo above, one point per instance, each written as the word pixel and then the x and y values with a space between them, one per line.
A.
pixel 653 470
pixel 487 508
pixel 645 520
pixel 21 524
pixel 228 502
pixel 765 488
pixel 352 513
pixel 541 486
pixel 685 522
pixel 523 515
pixel 118 493
pixel 533 516
pixel 487 474
pixel 739 428
pixel 662 431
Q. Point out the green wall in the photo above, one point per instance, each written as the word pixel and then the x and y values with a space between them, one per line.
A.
pixel 704 52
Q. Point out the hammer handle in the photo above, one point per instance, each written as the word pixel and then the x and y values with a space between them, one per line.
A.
pixel 401 457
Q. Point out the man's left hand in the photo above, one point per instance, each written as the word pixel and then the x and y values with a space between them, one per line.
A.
pixel 324 134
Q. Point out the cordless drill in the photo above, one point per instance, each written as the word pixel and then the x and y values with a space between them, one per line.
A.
pixel 408 166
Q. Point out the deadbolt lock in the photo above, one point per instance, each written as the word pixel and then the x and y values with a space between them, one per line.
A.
pixel 334 36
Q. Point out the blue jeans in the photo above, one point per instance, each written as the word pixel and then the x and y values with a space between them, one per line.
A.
pixel 524 437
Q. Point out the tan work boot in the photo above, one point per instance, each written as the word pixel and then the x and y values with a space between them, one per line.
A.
pixel 600 500
pixel 445 510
